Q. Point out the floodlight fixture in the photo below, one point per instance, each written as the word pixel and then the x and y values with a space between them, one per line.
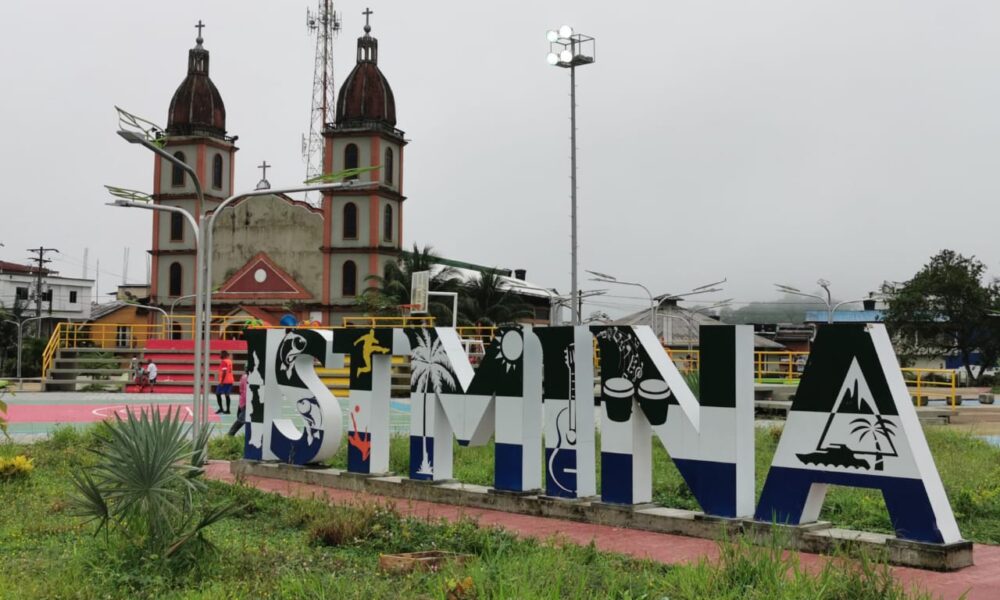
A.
pixel 708 285
pixel 551 35
pixel 127 194
pixel 565 32
pixel 349 175
pixel 603 275
pixel 552 58
pixel 136 129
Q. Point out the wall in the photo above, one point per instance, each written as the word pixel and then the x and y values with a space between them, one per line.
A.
pixel 61 307
pixel 289 232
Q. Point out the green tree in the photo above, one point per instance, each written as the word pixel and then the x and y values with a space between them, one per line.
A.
pixel 947 309
pixel 486 301
pixel 393 287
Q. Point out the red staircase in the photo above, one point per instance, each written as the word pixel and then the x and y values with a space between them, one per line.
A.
pixel 175 363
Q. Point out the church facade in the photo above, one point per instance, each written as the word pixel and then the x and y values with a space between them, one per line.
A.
pixel 273 255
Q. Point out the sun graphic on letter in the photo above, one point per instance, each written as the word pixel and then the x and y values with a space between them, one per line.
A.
pixel 511 349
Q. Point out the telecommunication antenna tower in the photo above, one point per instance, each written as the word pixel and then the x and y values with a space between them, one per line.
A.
pixel 325 23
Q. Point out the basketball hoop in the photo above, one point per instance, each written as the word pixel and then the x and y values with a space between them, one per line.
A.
pixel 420 285
pixel 406 309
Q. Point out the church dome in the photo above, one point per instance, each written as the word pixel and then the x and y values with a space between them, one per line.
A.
pixel 197 107
pixel 366 96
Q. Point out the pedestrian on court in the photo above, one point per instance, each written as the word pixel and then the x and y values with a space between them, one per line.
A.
pixel 225 385
pixel 241 411
pixel 149 376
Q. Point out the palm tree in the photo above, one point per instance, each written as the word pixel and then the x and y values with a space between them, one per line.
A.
pixel 429 368
pixel 486 301
pixel 393 287
pixel 880 428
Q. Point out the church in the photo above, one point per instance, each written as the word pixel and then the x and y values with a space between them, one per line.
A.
pixel 274 255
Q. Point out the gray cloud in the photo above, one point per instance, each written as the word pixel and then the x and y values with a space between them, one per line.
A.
pixel 760 141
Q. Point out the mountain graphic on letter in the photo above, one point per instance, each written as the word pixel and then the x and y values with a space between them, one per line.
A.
pixel 854 428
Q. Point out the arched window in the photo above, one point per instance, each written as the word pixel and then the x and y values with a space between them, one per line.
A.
pixel 351 158
pixel 387 223
pixel 217 172
pixel 176 274
pixel 176 227
pixel 350 221
pixel 177 174
pixel 387 167
pixel 349 279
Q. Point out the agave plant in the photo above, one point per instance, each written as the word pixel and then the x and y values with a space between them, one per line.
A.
pixel 147 483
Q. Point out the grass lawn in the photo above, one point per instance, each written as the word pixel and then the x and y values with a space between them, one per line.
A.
pixel 286 548
pixel 969 467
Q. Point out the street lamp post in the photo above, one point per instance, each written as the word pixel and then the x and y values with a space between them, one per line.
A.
pixel 133 199
pixel 20 338
pixel 570 50
pixel 827 300
pixel 205 293
pixel 136 130
pixel 605 278
pixel 688 317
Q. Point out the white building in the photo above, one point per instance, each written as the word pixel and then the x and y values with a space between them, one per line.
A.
pixel 63 298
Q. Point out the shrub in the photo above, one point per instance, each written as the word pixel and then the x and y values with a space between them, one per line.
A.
pixel 15 468
pixel 226 447
pixel 4 390
pixel 147 484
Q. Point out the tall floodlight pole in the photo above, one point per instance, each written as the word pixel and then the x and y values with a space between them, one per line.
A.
pixel 570 50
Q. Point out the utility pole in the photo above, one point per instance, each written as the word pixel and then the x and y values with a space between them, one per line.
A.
pixel 40 261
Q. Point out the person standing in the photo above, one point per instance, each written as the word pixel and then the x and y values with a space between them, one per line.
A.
pixel 225 385
pixel 241 411
pixel 151 372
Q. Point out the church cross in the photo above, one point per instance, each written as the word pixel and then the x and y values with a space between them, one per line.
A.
pixel 367 13
pixel 199 26
pixel 263 167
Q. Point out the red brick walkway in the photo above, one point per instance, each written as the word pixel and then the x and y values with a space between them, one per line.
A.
pixel 981 582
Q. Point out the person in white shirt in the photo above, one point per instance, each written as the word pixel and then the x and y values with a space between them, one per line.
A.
pixel 151 371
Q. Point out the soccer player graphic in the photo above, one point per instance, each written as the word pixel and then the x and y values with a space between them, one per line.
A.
pixel 370 347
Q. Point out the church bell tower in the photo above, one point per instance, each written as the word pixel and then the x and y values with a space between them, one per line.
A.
pixel 195 134
pixel 363 229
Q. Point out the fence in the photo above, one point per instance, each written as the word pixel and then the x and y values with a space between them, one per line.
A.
pixel 941 382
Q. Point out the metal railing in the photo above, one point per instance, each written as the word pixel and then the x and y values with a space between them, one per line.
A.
pixel 942 382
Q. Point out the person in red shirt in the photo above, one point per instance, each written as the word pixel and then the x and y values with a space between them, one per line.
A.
pixel 225 385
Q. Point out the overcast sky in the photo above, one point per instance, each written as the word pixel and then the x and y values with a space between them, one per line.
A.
pixel 758 140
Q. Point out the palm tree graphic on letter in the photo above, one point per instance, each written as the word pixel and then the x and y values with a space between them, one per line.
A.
pixel 878 428
pixel 429 368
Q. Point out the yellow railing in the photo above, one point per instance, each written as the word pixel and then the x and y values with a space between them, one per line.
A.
pixel 769 366
pixel 50 348
pixel 941 382
pixel 421 321
pixel 686 361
